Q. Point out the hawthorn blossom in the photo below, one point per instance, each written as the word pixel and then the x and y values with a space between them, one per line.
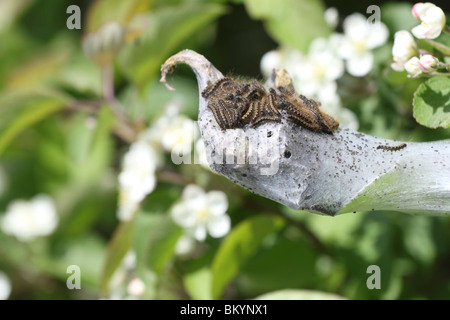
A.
pixel 201 213
pixel 412 67
pixel 27 220
pixel 185 244
pixel 315 74
pixel 360 37
pixel 404 48
pixel 136 287
pixel 425 64
pixel 173 132
pixel 5 286
pixel 331 17
pixel 310 73
pixel 137 178
pixel 432 20
pixel 428 63
pixel 179 135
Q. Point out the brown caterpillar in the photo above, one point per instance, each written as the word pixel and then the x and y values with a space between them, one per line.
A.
pixel 392 148
pixel 235 105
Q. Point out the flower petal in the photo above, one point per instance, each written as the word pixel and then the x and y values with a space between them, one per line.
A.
pixel 377 35
pixel 269 61
pixel 183 216
pixel 219 226
pixel 192 191
pixel 422 32
pixel 217 202
pixel 199 232
pixel 360 65
pixel 184 245
pixel 5 286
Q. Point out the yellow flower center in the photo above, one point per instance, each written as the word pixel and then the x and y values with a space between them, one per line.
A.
pixel 202 214
pixel 360 46
pixel 319 71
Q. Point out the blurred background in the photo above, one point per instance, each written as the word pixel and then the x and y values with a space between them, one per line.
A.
pixel 87 178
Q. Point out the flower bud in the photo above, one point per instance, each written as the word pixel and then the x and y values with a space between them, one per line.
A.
pixel 419 9
pixel 103 45
pixel 403 49
pixel 428 63
pixel 332 17
pixel 412 67
pixel 432 21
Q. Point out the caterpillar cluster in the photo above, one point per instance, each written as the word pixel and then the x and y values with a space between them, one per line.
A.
pixel 236 105
pixel 392 148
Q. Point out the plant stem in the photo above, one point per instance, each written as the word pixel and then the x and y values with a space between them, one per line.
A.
pixel 447 74
pixel 125 129
pixel 439 46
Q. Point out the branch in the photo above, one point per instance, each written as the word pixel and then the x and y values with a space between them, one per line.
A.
pixel 329 174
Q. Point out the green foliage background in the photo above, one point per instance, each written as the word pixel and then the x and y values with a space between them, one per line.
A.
pixel 46 147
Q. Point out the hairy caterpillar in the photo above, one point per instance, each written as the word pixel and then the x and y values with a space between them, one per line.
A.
pixel 235 105
pixel 392 148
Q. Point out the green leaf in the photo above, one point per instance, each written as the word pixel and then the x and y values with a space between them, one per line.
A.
pixel 121 11
pixel 118 246
pixel 100 146
pixel 397 16
pixel 86 251
pixel 197 280
pixel 145 224
pixel 239 246
pixel 161 246
pixel 432 103
pixel 167 29
pixel 21 112
pixel 340 230
pixel 291 294
pixel 285 263
pixel 419 241
pixel 292 23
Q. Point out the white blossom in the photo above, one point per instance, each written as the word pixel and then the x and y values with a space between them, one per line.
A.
pixel 185 244
pixel 136 287
pixel 5 286
pixel 412 67
pixel 179 136
pixel 428 63
pixel 331 17
pixel 432 20
pixel 404 48
pixel 200 213
pixel 137 178
pixel 360 37
pixel 272 59
pixel 27 220
pixel 314 75
pixel 172 131
pixel 310 73
pixel 155 132
pixel 420 8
